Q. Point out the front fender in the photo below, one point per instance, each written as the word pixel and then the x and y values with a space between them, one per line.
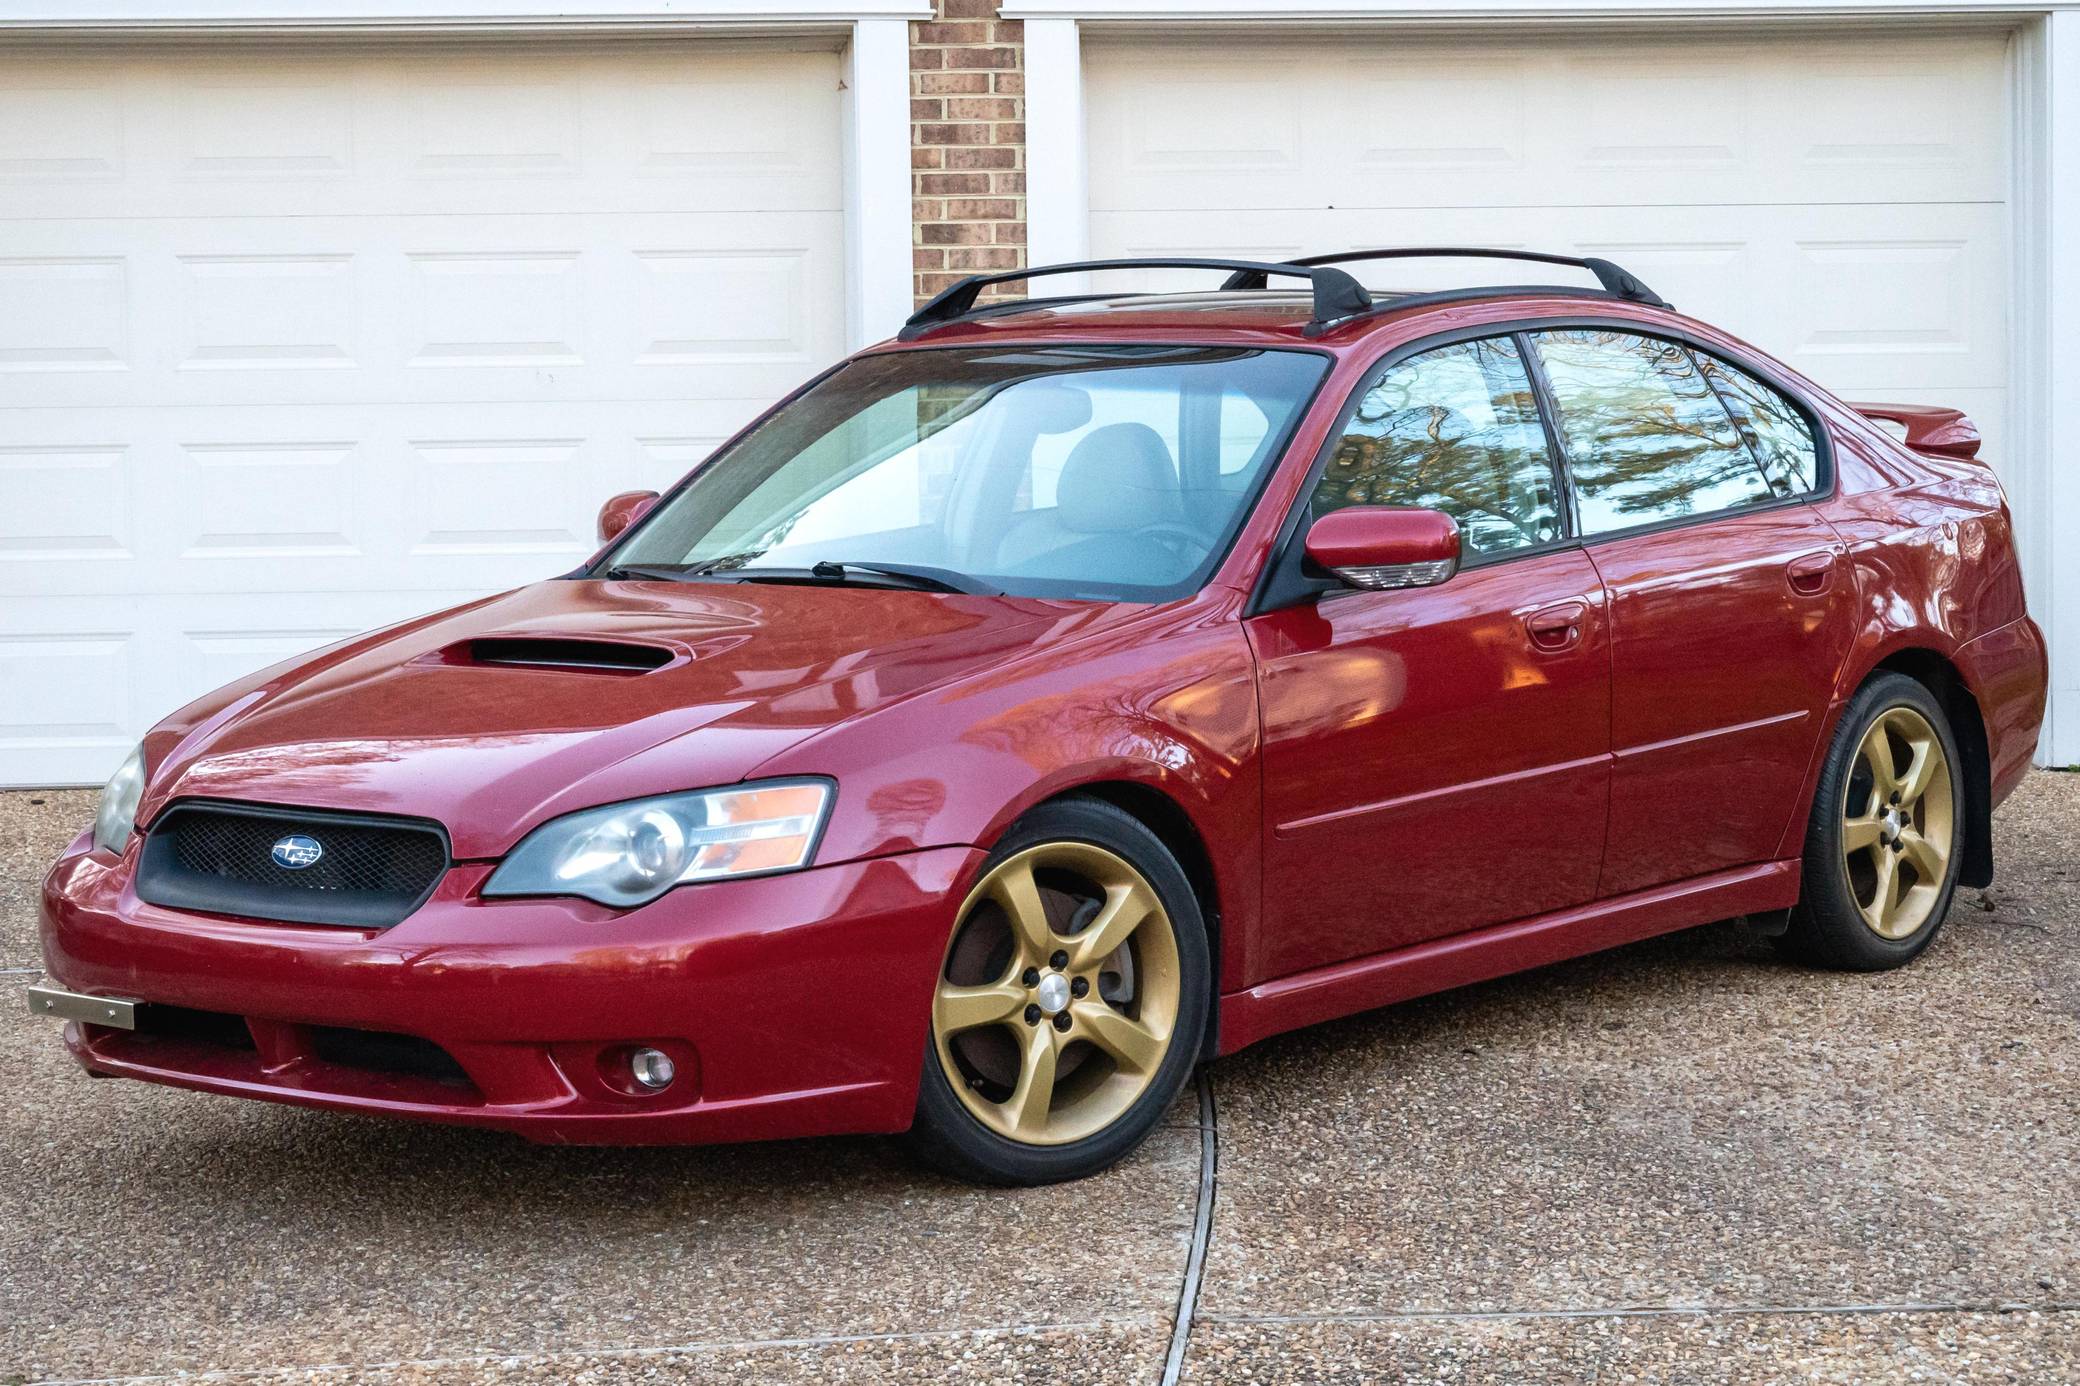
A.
pixel 1168 703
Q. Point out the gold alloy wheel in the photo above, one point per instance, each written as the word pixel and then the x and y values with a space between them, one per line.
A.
pixel 1899 819
pixel 1058 995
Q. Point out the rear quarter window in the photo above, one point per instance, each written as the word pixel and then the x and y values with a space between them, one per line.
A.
pixel 1773 427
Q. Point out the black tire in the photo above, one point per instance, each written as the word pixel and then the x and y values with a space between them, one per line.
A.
pixel 948 1137
pixel 1828 927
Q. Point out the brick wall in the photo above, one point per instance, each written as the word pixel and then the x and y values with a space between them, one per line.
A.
pixel 967 144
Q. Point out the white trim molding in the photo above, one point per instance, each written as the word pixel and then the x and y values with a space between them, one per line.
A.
pixel 1263 12
pixel 1057 179
pixel 306 16
pixel 877 179
pixel 2047 355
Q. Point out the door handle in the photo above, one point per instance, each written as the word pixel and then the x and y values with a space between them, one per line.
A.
pixel 1557 627
pixel 1811 574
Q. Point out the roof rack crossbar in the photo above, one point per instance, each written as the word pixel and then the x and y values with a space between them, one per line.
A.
pixel 1336 294
pixel 1615 279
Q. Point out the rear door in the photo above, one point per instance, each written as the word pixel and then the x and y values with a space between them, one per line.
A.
pixel 1437 759
pixel 1730 606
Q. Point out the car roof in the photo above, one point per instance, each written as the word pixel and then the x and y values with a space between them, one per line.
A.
pixel 1272 318
pixel 1254 302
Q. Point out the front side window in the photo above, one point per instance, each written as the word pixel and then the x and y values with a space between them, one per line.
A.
pixel 1457 430
pixel 1118 473
pixel 1645 434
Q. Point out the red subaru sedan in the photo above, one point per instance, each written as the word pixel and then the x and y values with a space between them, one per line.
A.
pixel 1069 691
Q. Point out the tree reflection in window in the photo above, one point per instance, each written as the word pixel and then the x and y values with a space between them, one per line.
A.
pixel 1779 435
pixel 1456 430
pixel 1646 437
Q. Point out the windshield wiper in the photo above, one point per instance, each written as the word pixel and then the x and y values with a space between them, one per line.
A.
pixel 919 576
pixel 914 577
pixel 626 572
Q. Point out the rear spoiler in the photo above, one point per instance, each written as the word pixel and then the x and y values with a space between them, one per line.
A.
pixel 1930 428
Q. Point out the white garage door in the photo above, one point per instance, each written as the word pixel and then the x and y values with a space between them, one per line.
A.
pixel 1839 202
pixel 295 343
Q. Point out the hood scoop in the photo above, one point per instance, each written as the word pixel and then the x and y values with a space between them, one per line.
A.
pixel 556 652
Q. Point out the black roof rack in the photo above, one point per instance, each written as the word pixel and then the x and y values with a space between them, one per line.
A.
pixel 1616 281
pixel 1336 294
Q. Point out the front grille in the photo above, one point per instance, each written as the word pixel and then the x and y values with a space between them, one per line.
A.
pixel 222 859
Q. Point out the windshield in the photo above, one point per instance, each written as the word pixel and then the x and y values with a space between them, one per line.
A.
pixel 1119 473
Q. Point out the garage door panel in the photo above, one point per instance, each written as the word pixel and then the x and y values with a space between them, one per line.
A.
pixel 88 675
pixel 1915 295
pixel 1431 123
pixel 224 501
pixel 324 310
pixel 298 347
pixel 372 132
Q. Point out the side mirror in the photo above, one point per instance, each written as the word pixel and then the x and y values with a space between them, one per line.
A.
pixel 622 511
pixel 1378 546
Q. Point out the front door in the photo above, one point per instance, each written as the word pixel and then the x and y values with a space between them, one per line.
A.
pixel 1730 606
pixel 1437 759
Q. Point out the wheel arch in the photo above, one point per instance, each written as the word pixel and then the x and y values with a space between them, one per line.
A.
pixel 1164 816
pixel 1935 672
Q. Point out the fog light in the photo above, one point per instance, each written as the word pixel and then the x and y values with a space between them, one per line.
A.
pixel 652 1069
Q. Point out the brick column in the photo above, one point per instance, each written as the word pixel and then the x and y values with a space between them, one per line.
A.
pixel 967 144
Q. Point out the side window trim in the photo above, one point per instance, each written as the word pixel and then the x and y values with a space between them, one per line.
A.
pixel 1556 445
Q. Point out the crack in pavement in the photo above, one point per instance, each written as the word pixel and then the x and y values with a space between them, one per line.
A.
pixel 1202 1233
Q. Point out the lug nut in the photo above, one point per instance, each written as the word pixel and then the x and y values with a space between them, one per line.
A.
pixel 1030 977
pixel 1080 987
pixel 1061 1022
pixel 1895 797
pixel 1032 1015
pixel 1059 961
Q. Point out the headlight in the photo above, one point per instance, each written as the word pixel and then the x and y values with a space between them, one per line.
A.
pixel 117 810
pixel 629 854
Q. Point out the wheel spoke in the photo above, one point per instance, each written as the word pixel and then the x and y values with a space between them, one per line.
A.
pixel 964 1008
pixel 1125 909
pixel 1876 751
pixel 1921 769
pixel 1028 1105
pixel 1134 1045
pixel 1015 889
pixel 1885 899
pixel 1860 834
pixel 1930 862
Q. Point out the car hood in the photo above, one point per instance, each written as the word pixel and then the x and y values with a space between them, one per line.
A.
pixel 446 717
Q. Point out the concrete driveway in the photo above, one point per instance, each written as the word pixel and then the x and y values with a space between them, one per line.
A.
pixel 1682 1161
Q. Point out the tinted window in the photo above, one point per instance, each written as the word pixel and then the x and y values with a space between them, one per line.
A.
pixel 1772 425
pixel 1646 436
pixel 1456 430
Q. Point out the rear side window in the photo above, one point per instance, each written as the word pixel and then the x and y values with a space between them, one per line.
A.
pixel 1645 433
pixel 1774 428
pixel 1457 430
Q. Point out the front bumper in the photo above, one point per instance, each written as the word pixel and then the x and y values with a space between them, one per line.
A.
pixel 795 1005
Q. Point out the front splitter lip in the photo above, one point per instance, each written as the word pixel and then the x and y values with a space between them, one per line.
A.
pixel 746 975
pixel 568 1120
